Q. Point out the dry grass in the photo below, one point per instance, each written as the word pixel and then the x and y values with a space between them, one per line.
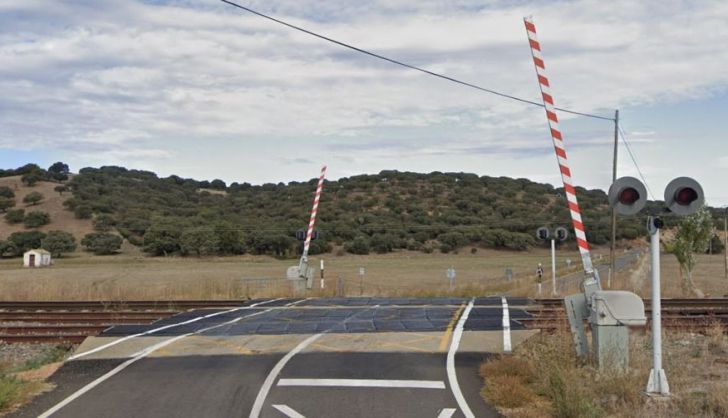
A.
pixel 547 371
pixel 134 276
pixel 709 276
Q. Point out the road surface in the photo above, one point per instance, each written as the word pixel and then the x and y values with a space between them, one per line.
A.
pixel 349 357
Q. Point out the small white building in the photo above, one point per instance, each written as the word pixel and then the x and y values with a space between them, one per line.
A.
pixel 37 258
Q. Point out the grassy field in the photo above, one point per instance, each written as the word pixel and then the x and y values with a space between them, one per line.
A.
pixel 133 275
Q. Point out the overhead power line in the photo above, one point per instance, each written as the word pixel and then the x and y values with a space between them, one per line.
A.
pixel 634 161
pixel 410 66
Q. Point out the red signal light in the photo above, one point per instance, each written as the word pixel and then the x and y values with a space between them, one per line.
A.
pixel 686 196
pixel 628 196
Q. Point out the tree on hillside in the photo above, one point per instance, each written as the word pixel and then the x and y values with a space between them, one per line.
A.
pixel 199 241
pixel 36 219
pixel 101 243
pixel 15 216
pixel 59 242
pixel 359 245
pixel 450 241
pixel 58 171
pixel 60 189
pixel 6 203
pixel 32 178
pixel 27 240
pixel 217 184
pixel 8 249
pixel 33 198
pixel 229 238
pixel 83 212
pixel 163 237
pixel 6 191
pixel 103 223
pixel 692 237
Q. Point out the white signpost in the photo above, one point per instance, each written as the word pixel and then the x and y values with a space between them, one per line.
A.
pixel 362 272
pixel 451 276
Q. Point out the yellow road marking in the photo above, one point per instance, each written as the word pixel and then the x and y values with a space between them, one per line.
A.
pixel 448 332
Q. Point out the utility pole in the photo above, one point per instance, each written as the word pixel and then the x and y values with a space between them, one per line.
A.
pixel 725 242
pixel 613 246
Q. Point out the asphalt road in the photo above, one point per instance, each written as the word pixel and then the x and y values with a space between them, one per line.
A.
pixel 290 358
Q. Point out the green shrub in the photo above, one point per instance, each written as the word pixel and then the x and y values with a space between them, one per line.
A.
pixel 36 219
pixel 33 198
pixel 15 216
pixel 59 242
pixel 101 243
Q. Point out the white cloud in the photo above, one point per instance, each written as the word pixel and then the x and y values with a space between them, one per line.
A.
pixel 131 78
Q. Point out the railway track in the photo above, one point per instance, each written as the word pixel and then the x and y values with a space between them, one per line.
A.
pixel 697 314
pixel 131 305
pixel 73 321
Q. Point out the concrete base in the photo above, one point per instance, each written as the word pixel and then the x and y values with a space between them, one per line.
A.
pixel 611 346
pixel 298 287
pixel 657 384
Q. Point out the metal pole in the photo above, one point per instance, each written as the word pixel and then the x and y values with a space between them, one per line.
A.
pixel 613 246
pixel 553 267
pixel 657 383
pixel 322 274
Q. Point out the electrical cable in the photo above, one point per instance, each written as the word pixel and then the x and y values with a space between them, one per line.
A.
pixel 410 66
pixel 634 161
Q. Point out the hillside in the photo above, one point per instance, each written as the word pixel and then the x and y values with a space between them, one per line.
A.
pixel 361 214
pixel 61 218
pixel 378 213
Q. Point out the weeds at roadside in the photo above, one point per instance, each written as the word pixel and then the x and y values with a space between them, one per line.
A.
pixel 52 354
pixel 544 378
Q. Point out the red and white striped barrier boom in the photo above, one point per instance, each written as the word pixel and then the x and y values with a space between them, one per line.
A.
pixel 312 221
pixel 553 121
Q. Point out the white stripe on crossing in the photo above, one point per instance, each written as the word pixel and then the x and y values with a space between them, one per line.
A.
pixel 155 330
pixel 506 326
pixel 288 411
pixel 446 413
pixel 365 383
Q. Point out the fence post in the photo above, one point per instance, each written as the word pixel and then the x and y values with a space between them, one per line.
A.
pixel 340 290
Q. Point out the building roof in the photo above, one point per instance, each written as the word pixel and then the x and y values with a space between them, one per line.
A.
pixel 39 251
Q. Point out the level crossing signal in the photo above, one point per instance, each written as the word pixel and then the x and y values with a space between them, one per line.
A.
pixel 627 196
pixel 542 233
pixel 301 235
pixel 683 196
pixel 560 233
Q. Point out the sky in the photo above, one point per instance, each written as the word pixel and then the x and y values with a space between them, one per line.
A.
pixel 201 89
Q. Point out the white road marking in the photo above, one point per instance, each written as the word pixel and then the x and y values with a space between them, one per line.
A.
pixel 140 355
pixel 446 413
pixel 365 383
pixel 506 326
pixel 155 330
pixel 450 364
pixel 273 375
pixel 288 411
